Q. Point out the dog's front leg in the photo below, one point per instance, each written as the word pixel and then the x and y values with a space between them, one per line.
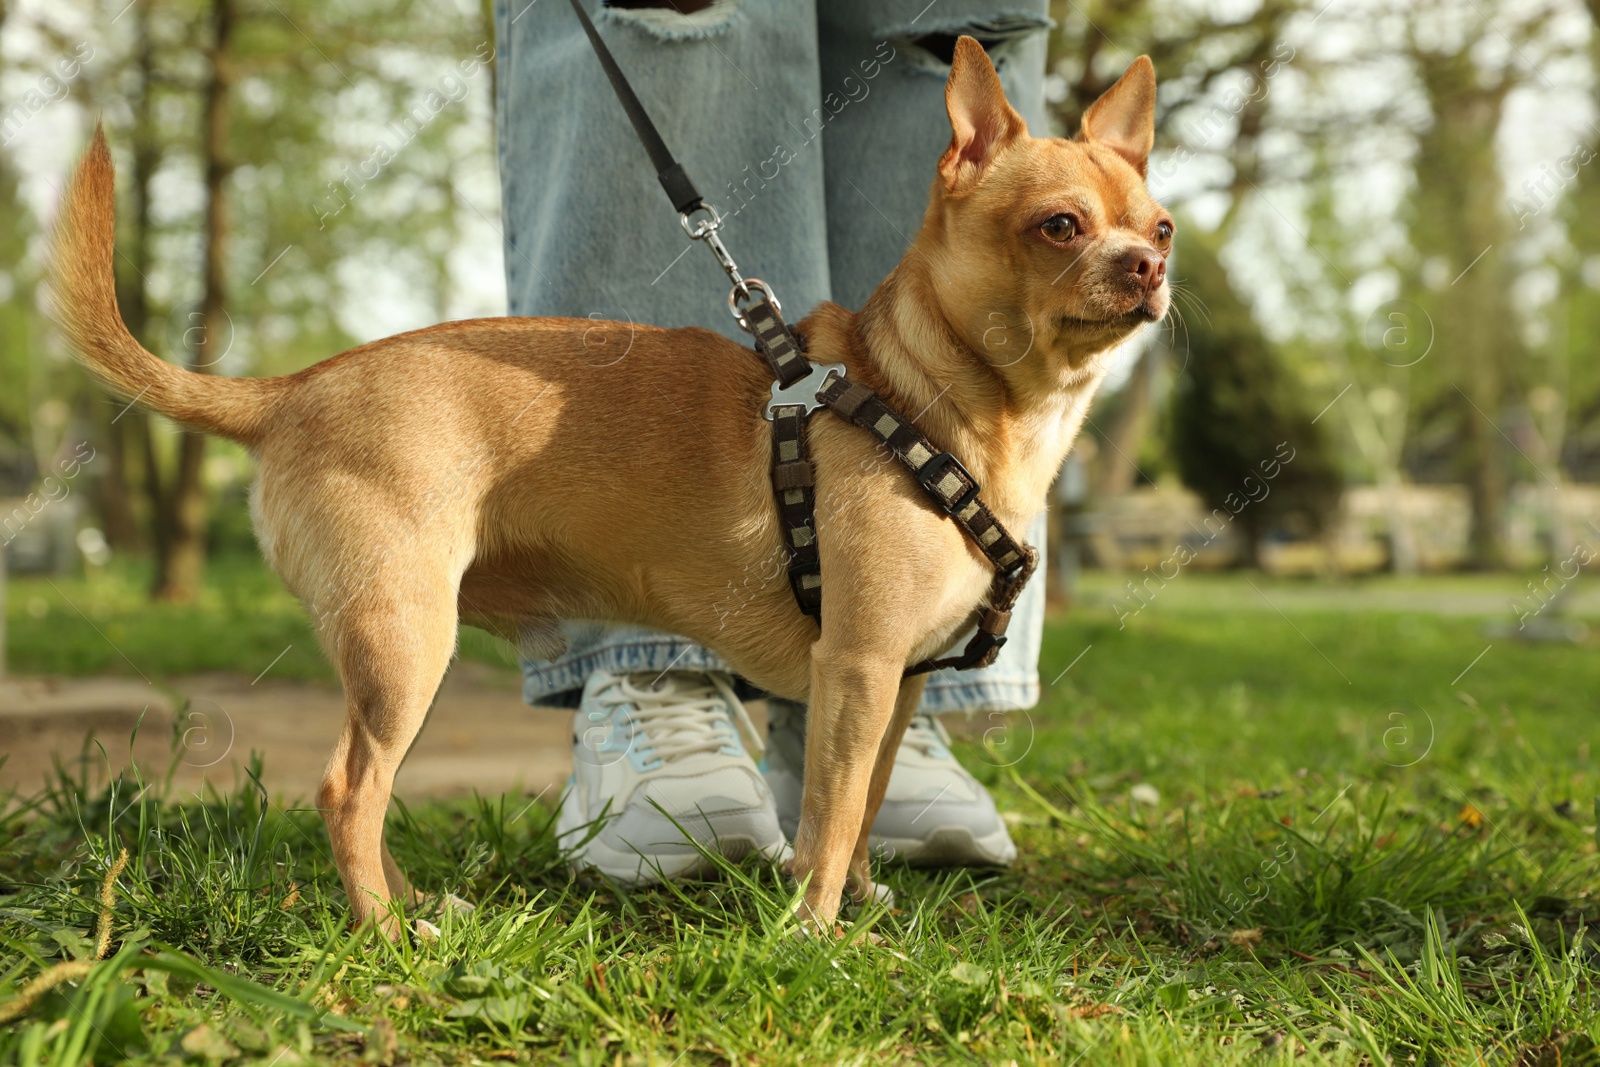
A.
pixel 905 706
pixel 853 700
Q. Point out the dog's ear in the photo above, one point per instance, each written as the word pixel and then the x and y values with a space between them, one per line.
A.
pixel 981 120
pixel 1124 118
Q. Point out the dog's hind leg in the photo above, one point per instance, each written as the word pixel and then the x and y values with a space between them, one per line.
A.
pixel 391 642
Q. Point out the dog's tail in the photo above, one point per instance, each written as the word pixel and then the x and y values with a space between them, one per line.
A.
pixel 84 302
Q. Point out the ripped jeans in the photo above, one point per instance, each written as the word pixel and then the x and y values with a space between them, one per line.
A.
pixel 813 127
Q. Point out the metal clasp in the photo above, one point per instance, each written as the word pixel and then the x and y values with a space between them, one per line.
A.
pixel 705 229
pixel 803 392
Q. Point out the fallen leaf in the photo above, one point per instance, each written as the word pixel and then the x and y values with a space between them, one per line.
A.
pixel 1245 938
pixel 969 974
pixel 382 1044
pixel 1087 1011
pixel 205 1043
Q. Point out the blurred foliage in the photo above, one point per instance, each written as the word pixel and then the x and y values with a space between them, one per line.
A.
pixel 1242 431
pixel 1351 165
pixel 357 147
pixel 1360 169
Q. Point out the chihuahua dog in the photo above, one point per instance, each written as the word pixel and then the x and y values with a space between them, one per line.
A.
pixel 492 472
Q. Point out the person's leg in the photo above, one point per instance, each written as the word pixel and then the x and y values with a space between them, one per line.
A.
pixel 588 232
pixel 883 147
pixel 883 72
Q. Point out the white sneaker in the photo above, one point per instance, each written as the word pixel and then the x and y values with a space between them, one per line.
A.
pixel 649 751
pixel 934 814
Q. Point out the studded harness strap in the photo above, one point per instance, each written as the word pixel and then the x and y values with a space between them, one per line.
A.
pixel 800 387
pixel 955 491
pixel 951 486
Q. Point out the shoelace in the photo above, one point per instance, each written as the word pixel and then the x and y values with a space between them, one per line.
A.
pixel 683 714
pixel 927 735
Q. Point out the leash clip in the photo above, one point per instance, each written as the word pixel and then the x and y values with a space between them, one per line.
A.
pixel 803 392
pixel 705 229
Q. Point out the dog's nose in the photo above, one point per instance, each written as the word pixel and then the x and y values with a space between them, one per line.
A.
pixel 1147 267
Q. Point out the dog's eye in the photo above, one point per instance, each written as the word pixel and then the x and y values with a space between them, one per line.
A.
pixel 1059 227
pixel 1163 234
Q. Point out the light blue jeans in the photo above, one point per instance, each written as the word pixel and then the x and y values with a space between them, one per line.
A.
pixel 814 126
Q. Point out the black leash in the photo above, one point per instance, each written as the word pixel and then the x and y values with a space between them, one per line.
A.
pixel 686 199
pixel 763 319
pixel 800 387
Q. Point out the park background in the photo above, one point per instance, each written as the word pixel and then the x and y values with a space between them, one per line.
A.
pixel 1312 771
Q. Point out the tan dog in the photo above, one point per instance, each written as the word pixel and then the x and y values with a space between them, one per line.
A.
pixel 498 472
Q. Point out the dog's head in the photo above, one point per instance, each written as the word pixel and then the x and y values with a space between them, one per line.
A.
pixel 1046 251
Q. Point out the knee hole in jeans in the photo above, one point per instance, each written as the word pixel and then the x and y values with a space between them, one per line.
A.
pixel 934 49
pixel 673 20
pixel 682 7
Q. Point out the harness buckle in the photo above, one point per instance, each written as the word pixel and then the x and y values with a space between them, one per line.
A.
pixel 928 477
pixel 803 392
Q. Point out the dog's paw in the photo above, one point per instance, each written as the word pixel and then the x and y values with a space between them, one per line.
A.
pixel 427 932
pixel 808 929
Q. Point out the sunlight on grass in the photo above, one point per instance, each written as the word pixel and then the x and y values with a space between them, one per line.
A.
pixel 1230 853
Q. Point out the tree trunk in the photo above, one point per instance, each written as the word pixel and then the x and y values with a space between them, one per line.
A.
pixel 1459 218
pixel 128 433
pixel 1119 468
pixel 182 562
pixel 115 497
pixel 1486 483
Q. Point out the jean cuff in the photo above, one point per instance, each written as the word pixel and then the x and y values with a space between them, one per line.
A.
pixel 561 684
pixel 983 691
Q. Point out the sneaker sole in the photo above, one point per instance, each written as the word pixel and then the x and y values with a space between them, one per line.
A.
pixel 634 868
pixel 945 846
pixel 950 846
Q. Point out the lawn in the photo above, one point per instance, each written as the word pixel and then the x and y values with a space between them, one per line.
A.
pixel 1259 822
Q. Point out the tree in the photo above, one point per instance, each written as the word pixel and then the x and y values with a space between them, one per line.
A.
pixel 181 559
pixel 1242 434
pixel 1459 223
pixel 1572 408
pixel 18 328
pixel 317 138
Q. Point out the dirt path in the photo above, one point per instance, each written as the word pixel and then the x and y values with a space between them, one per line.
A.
pixel 480 736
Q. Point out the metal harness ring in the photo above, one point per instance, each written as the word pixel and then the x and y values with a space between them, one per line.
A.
pixel 748 284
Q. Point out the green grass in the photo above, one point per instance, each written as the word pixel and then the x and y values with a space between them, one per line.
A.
pixel 105 624
pixel 1256 825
